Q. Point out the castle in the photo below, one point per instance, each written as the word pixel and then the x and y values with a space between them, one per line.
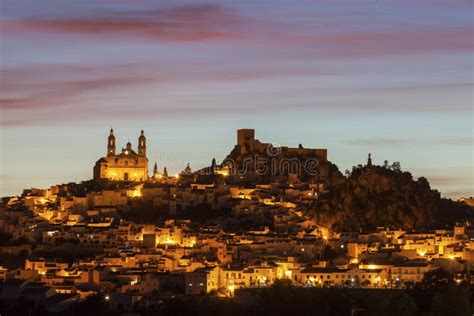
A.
pixel 126 166
pixel 246 143
pixel 253 160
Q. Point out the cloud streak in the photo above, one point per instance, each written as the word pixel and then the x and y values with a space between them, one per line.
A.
pixel 74 92
pixel 49 87
pixel 327 35
pixel 27 91
pixel 307 36
pixel 198 22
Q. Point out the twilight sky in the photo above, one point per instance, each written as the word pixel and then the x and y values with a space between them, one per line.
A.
pixel 394 78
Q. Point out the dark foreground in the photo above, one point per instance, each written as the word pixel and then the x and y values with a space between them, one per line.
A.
pixel 446 299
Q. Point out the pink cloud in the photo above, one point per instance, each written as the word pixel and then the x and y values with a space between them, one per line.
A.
pixel 347 43
pixel 45 87
pixel 50 86
pixel 41 88
pixel 181 23
pixel 78 92
pixel 324 36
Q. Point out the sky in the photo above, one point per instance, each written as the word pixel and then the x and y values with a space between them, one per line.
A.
pixel 394 78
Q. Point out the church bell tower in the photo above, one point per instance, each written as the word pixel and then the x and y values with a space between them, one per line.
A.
pixel 111 144
pixel 142 144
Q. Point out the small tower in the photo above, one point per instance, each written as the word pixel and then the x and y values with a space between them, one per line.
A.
pixel 186 174
pixel 111 144
pixel 142 144
pixel 128 149
pixel 369 160
pixel 155 171
pixel 213 165
pixel 187 171
pixel 165 173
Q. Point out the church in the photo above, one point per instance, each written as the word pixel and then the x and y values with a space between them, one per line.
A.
pixel 125 166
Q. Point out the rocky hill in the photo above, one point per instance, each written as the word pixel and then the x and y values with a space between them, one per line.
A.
pixel 256 166
pixel 379 196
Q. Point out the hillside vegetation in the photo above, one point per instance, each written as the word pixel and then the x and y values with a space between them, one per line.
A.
pixel 379 196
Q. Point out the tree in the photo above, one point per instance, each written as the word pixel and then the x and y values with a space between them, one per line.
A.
pixel 437 279
pixel 329 253
pixel 396 166
pixel 282 283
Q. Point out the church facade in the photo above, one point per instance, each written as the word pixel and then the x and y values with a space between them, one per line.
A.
pixel 128 165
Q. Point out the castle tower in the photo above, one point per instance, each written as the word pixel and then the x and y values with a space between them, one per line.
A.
pixel 111 144
pixel 142 144
pixel 245 136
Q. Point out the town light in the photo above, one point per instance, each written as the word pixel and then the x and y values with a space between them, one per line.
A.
pixel 136 193
pixel 107 297
pixel 372 267
pixel 231 289
pixel 169 241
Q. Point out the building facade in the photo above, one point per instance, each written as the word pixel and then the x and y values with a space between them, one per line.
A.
pixel 125 166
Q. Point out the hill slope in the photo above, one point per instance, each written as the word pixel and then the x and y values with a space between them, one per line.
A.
pixel 377 196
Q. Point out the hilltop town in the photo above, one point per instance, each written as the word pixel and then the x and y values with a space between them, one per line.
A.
pixel 264 215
